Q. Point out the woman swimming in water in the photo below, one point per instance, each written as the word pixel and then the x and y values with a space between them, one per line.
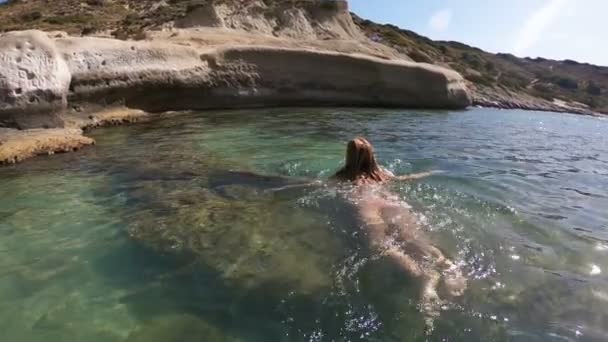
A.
pixel 393 231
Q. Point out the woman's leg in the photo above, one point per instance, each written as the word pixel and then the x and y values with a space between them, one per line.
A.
pixel 380 220
pixel 404 261
pixel 406 230
pixel 430 303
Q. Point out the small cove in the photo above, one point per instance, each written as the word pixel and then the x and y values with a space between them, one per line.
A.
pixel 521 205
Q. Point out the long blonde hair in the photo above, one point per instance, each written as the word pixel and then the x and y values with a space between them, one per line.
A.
pixel 360 164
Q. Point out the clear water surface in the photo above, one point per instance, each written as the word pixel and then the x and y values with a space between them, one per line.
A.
pixel 159 233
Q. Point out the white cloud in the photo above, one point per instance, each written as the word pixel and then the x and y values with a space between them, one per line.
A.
pixel 536 24
pixel 440 20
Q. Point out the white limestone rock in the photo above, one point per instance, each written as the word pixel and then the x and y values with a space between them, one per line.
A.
pixel 34 80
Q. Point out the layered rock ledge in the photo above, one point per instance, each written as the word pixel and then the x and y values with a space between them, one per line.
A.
pixel 43 79
pixel 17 145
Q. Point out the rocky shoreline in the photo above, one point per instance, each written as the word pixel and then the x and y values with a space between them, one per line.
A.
pixel 54 81
pixel 504 99
pixel 539 107
pixel 18 145
pixel 220 56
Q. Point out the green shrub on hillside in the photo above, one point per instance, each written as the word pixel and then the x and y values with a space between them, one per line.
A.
pixel 593 89
pixel 394 38
pixel 491 67
pixel 69 19
pixel 419 56
pixel 472 60
pixel 31 16
pixel 483 79
pixel 514 80
pixel 566 83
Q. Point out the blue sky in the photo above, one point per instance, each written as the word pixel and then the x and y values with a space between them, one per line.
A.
pixel 556 29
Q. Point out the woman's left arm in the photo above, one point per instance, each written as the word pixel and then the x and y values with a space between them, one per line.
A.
pixel 296 186
pixel 415 176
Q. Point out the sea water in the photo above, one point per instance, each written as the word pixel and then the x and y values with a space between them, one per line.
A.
pixel 170 230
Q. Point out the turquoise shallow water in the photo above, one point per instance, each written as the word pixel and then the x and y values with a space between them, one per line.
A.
pixel 158 234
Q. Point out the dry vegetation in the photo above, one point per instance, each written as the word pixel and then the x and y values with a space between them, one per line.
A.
pixel 122 18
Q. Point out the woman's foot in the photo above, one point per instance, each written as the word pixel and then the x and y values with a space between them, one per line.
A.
pixel 454 282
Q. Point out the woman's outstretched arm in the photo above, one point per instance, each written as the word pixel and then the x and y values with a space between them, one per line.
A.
pixel 304 184
pixel 415 176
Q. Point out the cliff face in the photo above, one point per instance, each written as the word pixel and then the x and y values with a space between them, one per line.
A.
pixel 301 19
pixel 308 20
pixel 160 75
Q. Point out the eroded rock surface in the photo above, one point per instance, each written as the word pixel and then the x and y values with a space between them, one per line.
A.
pixel 34 80
pixel 160 76
pixel 163 75
pixel 16 145
pixel 312 20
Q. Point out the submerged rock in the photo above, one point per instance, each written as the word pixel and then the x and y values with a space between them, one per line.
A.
pixel 247 242
pixel 178 328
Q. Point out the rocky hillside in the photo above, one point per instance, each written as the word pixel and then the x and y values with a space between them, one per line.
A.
pixel 503 80
pixel 500 80
pixel 129 18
